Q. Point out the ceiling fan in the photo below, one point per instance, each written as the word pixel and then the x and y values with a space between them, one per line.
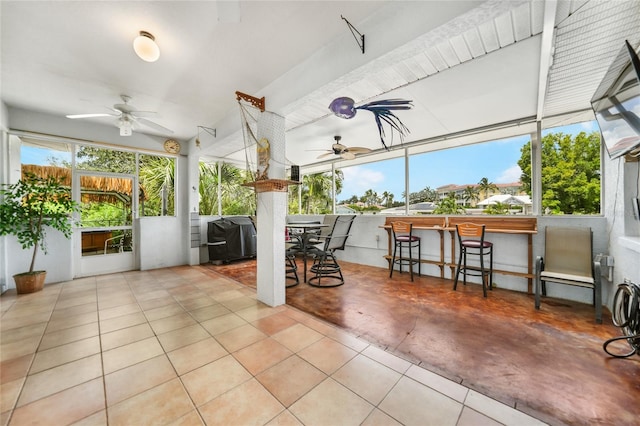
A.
pixel 346 152
pixel 127 116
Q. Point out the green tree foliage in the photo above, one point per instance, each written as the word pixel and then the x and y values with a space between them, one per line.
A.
pixel 570 173
pixel 497 208
pixel 316 192
pixel 449 205
pixel 234 198
pixel 157 181
pixel 470 195
pixel 105 160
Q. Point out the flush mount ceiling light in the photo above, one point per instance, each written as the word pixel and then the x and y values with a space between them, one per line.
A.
pixel 146 47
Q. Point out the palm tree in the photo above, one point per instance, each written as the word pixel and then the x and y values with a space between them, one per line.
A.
pixel 470 195
pixel 449 205
pixel 235 198
pixel 484 186
pixel 316 192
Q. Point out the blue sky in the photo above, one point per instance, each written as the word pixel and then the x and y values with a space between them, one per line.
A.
pixel 497 161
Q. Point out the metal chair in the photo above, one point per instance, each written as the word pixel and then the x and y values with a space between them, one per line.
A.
pixel 568 259
pixel 403 238
pixel 472 242
pixel 325 265
pixel 291 268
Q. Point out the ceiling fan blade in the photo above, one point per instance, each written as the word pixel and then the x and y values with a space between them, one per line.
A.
pixel 137 113
pixel 348 155
pixel 153 125
pixel 338 147
pixel 358 150
pixel 73 116
pixel 325 154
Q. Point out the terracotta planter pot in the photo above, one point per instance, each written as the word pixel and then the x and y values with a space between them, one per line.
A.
pixel 30 282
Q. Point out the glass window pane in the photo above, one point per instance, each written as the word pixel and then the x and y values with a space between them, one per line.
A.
pixel 157 185
pixel 371 188
pixel 235 199
pixel 571 169
pixel 105 160
pixel 479 178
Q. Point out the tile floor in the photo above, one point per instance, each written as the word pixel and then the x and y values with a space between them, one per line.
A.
pixel 179 346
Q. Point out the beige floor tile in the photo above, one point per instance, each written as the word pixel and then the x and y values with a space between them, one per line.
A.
pixel 209 312
pixel 367 378
pixel 68 335
pixel 138 378
pixel 327 355
pixel 238 406
pixel 240 337
pixel 232 293
pixel 192 418
pixel 378 418
pixel 125 336
pixel 18 349
pixel 124 356
pixel 257 311
pixel 348 340
pixel 118 311
pixel 441 384
pixel 471 417
pixel 390 360
pixel 196 355
pixel 54 380
pixel 212 380
pixel 15 368
pixel 274 323
pixel 411 402
pixel 122 322
pixel 164 311
pixel 80 299
pixel 182 337
pixel 239 303
pixel 223 323
pixel 285 419
pixel 59 313
pixel 291 379
pixel 197 303
pixel 96 419
pixel 155 293
pixel 20 334
pixel 160 405
pixel 297 337
pixel 262 355
pixel 498 411
pixel 9 392
pixel 339 406
pixel 174 322
pixel 148 305
pixel 64 407
pixel 59 355
pixel 113 300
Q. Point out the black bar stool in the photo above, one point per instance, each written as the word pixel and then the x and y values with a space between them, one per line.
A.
pixel 403 238
pixel 471 241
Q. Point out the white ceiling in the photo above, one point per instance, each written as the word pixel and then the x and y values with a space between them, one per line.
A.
pixel 465 64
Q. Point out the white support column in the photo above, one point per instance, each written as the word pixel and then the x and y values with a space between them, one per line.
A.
pixel 536 170
pixel 271 216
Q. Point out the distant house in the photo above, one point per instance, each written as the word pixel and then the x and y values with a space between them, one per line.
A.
pixel 418 208
pixel 511 200
pixel 513 188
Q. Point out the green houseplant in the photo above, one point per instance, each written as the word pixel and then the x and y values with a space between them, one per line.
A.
pixel 27 209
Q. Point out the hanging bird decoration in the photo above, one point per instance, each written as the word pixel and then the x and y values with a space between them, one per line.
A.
pixel 344 107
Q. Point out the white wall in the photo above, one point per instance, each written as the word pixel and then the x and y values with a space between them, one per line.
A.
pixel 622 180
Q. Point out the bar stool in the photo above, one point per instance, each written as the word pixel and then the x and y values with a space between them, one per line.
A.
pixel 291 268
pixel 471 241
pixel 403 238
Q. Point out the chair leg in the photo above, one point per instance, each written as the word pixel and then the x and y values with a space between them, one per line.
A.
pixel 483 274
pixel 393 260
pixel 491 269
pixel 410 261
pixel 419 257
pixel 455 282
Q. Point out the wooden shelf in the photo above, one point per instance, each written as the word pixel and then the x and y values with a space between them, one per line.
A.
pixel 271 185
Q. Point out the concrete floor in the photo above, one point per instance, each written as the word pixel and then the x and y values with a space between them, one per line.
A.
pixel 547 363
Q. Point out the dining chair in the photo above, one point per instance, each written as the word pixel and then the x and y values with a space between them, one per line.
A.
pixel 325 268
pixel 403 238
pixel 568 259
pixel 471 241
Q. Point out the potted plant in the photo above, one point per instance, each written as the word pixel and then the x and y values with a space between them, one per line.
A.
pixel 27 209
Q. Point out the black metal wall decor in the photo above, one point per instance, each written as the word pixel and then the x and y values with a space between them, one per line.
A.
pixel 359 37
pixel 344 107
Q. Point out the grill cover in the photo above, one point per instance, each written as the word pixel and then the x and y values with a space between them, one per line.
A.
pixel 231 238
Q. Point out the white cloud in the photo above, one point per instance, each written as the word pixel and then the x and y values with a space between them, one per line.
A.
pixel 358 179
pixel 512 174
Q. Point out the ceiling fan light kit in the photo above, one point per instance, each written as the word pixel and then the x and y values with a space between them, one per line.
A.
pixel 145 47
pixel 126 127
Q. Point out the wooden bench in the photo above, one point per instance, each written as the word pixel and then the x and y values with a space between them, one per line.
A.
pixel 502 225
